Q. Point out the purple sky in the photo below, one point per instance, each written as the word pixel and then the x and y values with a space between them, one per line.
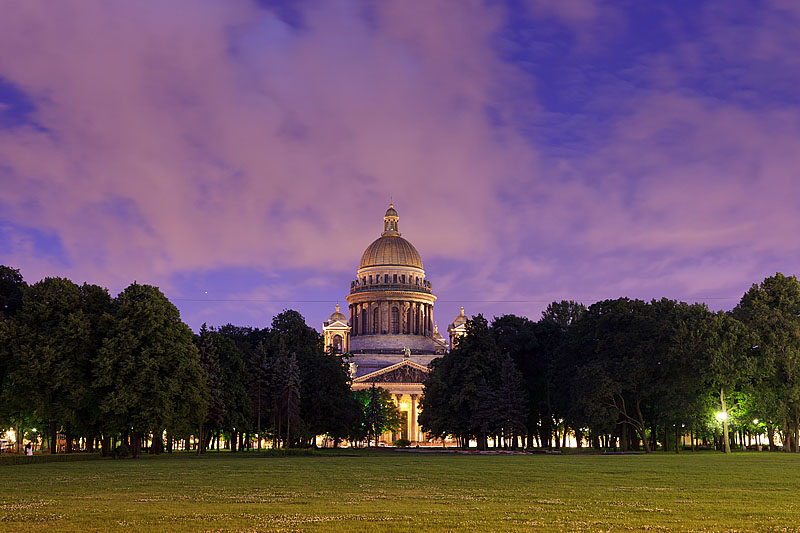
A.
pixel 240 154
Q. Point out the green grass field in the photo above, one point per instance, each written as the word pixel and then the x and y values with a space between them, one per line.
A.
pixel 397 491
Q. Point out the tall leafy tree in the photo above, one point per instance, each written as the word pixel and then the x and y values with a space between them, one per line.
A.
pixel 96 304
pixel 611 352
pixel 380 414
pixel 772 310
pixel 509 402
pixel 236 348
pixel 53 334
pixel 518 337
pixel 14 407
pixel 215 412
pixel 260 385
pixel 149 368
pixel 453 388
pixel 552 399
pixel 287 387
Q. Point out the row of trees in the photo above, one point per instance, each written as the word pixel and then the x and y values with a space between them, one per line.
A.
pixel 76 362
pixel 626 372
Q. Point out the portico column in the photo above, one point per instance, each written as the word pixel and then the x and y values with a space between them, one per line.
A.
pixel 409 426
pixel 398 398
pixel 413 417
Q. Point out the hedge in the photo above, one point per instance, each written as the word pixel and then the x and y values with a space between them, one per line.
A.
pixel 20 459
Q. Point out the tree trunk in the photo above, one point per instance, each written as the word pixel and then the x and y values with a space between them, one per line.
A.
pixel 105 442
pixel 724 420
pixel 677 440
pixel 643 435
pixel 20 432
pixel 53 436
pixel 136 444
pixel 259 418
pixel 623 438
pixel 68 438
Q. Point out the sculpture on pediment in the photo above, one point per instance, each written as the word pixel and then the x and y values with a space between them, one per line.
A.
pixel 402 374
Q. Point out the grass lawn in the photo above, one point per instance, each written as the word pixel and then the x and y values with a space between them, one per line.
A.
pixel 397 491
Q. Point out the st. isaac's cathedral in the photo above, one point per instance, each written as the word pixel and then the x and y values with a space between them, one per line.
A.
pixel 389 330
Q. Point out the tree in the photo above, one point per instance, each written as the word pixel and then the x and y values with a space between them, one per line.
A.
pixel 772 310
pixel 729 361
pixel 610 351
pixel 215 413
pixel 509 402
pixel 14 407
pixel 287 387
pixel 54 336
pixel 260 393
pixel 452 394
pixel 380 414
pixel 518 337
pixel 326 404
pixel 149 368
pixel 96 304
pixel 235 347
pixel 551 331
pixel 11 288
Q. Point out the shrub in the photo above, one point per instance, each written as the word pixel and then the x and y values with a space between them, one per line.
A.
pixel 14 459
pixel 402 443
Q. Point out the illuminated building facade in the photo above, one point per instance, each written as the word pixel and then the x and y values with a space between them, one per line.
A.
pixel 390 331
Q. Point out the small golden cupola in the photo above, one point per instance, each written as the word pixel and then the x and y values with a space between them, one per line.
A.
pixel 390 220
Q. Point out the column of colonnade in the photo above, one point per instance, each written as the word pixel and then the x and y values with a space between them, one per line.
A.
pixel 414 318
pixel 412 430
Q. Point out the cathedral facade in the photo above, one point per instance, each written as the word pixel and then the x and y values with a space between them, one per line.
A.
pixel 389 331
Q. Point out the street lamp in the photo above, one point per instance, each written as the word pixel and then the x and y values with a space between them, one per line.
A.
pixel 722 417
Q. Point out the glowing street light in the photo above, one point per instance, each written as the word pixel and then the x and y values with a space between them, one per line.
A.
pixel 755 421
pixel 722 417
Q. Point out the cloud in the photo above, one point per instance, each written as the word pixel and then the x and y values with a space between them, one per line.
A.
pixel 161 141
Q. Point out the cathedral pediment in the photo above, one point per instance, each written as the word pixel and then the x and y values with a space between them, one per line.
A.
pixel 402 372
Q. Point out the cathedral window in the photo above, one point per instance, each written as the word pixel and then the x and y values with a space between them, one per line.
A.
pixel 403 278
pixel 386 278
pixel 394 280
pixel 370 280
pixel 375 321
pixel 395 321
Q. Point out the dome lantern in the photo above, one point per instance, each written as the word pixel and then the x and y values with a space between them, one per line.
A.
pixel 390 222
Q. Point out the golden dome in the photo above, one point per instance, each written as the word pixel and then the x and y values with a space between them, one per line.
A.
pixel 337 316
pixel 390 250
pixel 461 318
